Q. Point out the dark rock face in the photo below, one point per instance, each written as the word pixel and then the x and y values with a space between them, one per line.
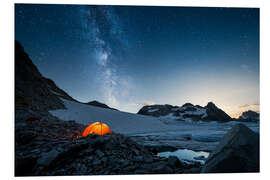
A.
pixel 187 105
pixel 156 110
pixel 187 112
pixel 216 114
pixel 35 139
pixel 249 116
pixel 173 161
pixel 98 104
pixel 238 151
pixel 32 90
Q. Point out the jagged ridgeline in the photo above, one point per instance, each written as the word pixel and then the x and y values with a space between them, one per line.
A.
pixel 190 112
pixel 187 112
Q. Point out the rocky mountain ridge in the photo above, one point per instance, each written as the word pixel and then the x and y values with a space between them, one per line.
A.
pixel 36 92
pixel 187 112
pixel 32 90
pixel 249 116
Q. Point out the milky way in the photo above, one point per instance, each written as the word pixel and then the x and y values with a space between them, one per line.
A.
pixel 102 29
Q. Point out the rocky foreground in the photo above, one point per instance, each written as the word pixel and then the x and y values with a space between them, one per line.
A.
pixel 54 147
pixel 50 146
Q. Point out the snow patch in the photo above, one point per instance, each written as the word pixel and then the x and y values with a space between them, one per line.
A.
pixel 153 110
pixel 56 93
pixel 204 115
pixel 187 156
pixel 176 109
pixel 199 111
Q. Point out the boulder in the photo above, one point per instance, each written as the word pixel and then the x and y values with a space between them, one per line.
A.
pixel 173 162
pixel 47 158
pixel 237 152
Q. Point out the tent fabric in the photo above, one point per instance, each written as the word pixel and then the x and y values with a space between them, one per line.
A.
pixel 97 128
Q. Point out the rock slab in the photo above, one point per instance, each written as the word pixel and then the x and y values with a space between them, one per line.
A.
pixel 237 152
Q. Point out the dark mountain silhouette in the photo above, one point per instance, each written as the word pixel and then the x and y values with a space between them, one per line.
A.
pixel 99 104
pixel 188 112
pixel 216 114
pixel 249 116
pixel 32 90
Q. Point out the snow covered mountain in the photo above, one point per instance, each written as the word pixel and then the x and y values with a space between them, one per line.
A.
pixel 249 116
pixel 187 112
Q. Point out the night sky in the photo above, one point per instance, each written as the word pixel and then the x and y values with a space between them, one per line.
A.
pixel 130 56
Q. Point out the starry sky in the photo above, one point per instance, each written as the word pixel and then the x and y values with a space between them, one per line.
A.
pixel 131 56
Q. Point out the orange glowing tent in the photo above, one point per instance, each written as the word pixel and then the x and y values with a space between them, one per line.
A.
pixel 96 128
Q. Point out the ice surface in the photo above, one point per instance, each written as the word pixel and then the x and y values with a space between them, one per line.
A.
pixel 198 136
pixel 56 93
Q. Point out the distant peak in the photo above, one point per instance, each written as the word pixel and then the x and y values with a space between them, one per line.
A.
pixel 187 104
pixel 99 104
pixel 210 104
pixel 95 102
